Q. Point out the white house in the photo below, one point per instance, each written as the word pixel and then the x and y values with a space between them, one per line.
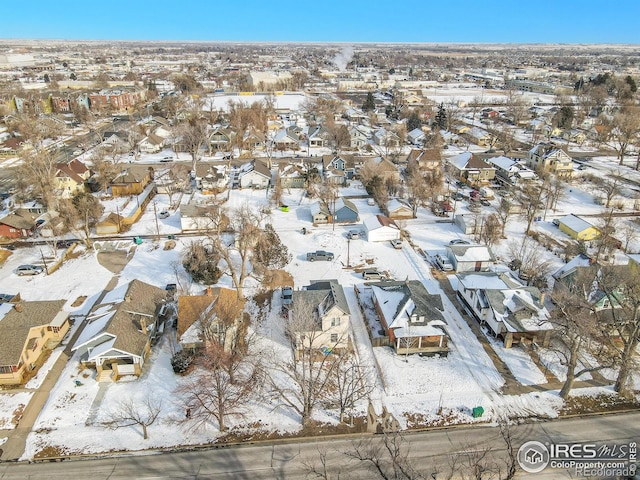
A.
pixel 257 177
pixel 381 229
pixel 470 258
pixel 512 311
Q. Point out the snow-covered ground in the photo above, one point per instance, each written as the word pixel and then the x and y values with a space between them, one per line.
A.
pixel 414 389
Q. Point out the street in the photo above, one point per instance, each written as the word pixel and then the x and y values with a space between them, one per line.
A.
pixel 430 452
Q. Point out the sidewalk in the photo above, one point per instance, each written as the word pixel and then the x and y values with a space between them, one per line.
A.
pixel 16 442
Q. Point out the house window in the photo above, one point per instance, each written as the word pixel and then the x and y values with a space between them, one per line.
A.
pixel 6 369
pixel 335 322
pixel 334 338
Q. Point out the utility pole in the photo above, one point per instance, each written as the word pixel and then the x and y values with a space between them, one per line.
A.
pixel 155 214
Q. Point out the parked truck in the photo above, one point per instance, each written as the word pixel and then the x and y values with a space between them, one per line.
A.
pixel 319 255
pixel 487 193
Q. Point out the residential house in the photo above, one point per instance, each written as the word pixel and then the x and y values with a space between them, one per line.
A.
pixel 130 182
pixel 320 316
pixel 284 140
pixel 344 211
pixel 550 157
pixel 254 175
pixel 196 217
pixel 513 312
pixel 469 224
pixel 510 171
pixel 118 336
pixel 116 141
pixel 411 317
pixel 425 159
pixel 470 257
pixel 416 136
pixel 479 136
pixel 291 176
pixel 386 138
pixel 151 144
pixel 383 168
pixel 578 228
pixel 398 209
pixel 211 178
pixel 318 136
pixel 360 136
pixel 20 223
pixel 253 140
pixel 203 317
pixel 471 169
pixel 381 229
pixel 27 331
pixel 71 178
pixel 221 139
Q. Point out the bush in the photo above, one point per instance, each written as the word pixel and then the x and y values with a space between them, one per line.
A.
pixel 181 361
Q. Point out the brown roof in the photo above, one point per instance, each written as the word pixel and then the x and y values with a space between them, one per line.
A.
pixel 476 163
pixel 73 169
pixel 21 218
pixel 140 298
pixel 190 307
pixel 14 327
pixel 385 221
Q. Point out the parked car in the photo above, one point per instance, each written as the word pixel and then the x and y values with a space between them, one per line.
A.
pixel 29 270
pixel 556 222
pixel 371 202
pixel 353 234
pixel 66 243
pixel 320 255
pixel 287 296
pixel 459 241
pixel 373 275
pixel 396 243
pixel 443 263
pixel 485 202
pixel 163 214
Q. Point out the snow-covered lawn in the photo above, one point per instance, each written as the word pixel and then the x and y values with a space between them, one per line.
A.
pixel 415 389
pixel 12 405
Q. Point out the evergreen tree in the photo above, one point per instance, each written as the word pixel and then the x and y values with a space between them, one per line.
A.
pixel 369 104
pixel 441 117
pixel 413 121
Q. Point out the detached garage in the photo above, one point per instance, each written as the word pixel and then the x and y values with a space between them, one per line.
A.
pixel 381 229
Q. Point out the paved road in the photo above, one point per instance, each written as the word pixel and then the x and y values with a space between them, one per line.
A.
pixel 430 451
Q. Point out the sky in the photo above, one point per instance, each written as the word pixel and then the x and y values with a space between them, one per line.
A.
pixel 483 21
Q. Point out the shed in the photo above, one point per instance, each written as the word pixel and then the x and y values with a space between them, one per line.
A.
pixel 381 229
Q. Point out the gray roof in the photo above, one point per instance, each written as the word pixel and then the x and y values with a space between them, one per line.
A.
pixel 333 288
pixel 426 305
pixel 14 327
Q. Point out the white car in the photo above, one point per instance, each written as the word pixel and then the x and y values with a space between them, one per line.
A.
pixel 164 214
pixel 443 262
pixel 29 270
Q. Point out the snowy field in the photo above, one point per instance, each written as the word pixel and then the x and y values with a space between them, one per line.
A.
pixel 414 389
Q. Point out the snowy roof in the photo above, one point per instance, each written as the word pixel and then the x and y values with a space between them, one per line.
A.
pixel 486 281
pixel 580 260
pixel 575 223
pixel 505 163
pixel 472 253
pixel 520 309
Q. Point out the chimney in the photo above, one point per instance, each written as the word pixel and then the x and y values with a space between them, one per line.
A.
pixel 209 290
pixel 543 296
pixel 143 324
pixel 18 307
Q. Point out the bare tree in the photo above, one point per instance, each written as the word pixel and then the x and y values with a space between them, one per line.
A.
pixel 35 177
pixel 81 213
pixel 211 393
pixel 386 458
pixel 621 319
pixel 609 186
pixel 491 230
pixel 504 212
pixel 576 328
pixel 530 199
pixel 308 372
pixel 624 132
pixel 131 413
pixel 528 256
pixel 629 233
pixel 350 384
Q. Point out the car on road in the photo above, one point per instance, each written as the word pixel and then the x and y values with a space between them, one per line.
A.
pixel 396 243
pixel 320 255
pixel 29 270
pixel 373 275
pixel 163 214
pixel 443 263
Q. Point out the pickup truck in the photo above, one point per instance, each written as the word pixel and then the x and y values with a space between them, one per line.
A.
pixel 319 255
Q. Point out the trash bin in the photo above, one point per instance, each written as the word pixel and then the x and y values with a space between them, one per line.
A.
pixel 137 240
pixel 477 412
pixel 284 208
